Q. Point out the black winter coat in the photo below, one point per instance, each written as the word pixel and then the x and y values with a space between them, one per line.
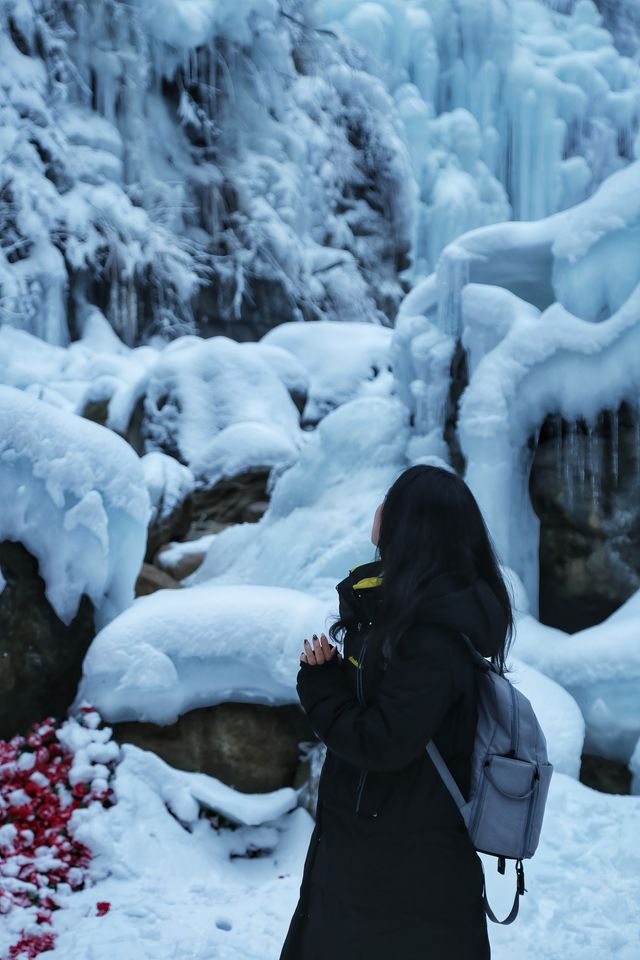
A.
pixel 391 873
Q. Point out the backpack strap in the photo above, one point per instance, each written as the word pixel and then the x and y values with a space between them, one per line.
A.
pixel 520 889
pixel 446 775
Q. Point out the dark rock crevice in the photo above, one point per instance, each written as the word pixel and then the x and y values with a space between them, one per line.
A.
pixel 585 488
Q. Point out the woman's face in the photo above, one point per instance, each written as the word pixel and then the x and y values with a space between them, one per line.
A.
pixel 375 530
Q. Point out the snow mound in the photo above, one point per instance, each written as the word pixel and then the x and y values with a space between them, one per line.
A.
pixel 600 667
pixel 173 651
pixel 228 890
pixel 559 715
pixel 342 359
pixel 74 494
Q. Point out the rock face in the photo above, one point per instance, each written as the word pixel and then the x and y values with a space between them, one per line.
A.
pixel 151 578
pixel 40 657
pixel 239 499
pixel 250 746
pixel 585 488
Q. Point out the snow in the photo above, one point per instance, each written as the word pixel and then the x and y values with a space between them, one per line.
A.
pixel 582 884
pixel 173 651
pixel 73 493
pixel 168 483
pixel 318 522
pixel 170 556
pixel 496 96
pixel 559 715
pixel 342 360
pixel 600 668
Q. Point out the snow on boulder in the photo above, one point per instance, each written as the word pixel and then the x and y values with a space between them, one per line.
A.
pixel 173 651
pixel 600 668
pixel 74 494
pixel 98 368
pixel 217 407
pixel 169 484
pixel 185 793
pixel 342 358
pixel 318 523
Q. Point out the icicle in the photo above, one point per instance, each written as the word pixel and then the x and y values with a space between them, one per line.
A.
pixel 558 448
pixel 635 415
pixel 580 459
pixel 569 463
pixel 452 275
pixel 615 439
pixel 592 468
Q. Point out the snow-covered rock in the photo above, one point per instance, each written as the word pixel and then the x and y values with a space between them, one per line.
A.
pixel 169 484
pixel 176 650
pixel 342 359
pixel 74 494
pixel 219 408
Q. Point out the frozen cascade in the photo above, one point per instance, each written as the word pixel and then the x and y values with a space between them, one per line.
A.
pixel 256 163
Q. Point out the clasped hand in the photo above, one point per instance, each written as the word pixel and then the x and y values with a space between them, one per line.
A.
pixel 321 652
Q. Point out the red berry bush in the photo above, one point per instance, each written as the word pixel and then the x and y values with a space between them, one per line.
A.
pixel 59 767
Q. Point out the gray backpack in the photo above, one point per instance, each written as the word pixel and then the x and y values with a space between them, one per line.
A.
pixel 510 776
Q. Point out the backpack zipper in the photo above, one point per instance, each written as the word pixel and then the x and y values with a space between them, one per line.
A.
pixel 360 695
pixel 514 721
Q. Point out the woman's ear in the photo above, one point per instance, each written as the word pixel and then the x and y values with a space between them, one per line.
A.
pixel 375 529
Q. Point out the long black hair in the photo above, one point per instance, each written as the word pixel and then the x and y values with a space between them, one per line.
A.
pixel 431 524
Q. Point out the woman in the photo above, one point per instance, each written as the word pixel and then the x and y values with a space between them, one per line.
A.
pixel 391 871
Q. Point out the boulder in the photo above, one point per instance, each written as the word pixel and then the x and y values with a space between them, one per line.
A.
pixel 253 747
pixel 40 657
pixel 239 499
pixel 151 578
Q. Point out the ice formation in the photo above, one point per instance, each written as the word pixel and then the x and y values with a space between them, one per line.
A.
pixel 74 494
pixel 547 313
pixel 166 165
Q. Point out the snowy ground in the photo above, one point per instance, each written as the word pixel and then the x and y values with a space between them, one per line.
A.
pixel 175 892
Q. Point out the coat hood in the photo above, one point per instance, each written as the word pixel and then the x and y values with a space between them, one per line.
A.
pixel 450 600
